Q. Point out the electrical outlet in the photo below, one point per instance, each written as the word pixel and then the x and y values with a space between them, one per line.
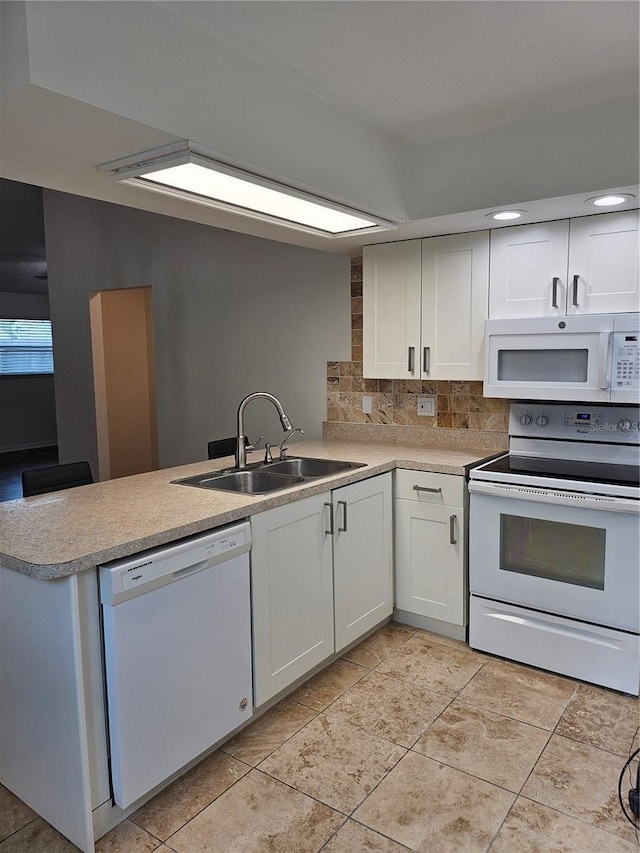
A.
pixel 427 406
pixel 366 405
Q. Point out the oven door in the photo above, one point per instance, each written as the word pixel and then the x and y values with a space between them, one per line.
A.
pixel 559 552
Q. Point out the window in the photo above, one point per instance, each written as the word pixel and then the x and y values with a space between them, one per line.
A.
pixel 26 346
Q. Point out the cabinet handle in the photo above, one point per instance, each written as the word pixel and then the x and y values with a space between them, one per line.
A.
pixel 426 359
pixel 427 489
pixel 329 532
pixel 574 301
pixel 343 504
pixel 452 530
pixel 411 365
pixel 554 292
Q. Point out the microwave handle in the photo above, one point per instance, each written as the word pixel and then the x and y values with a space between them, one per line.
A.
pixel 604 360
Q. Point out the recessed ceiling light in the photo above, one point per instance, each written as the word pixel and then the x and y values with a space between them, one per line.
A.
pixel 610 200
pixel 504 214
pixel 187 171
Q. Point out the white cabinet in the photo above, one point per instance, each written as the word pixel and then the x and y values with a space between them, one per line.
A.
pixel 292 593
pixel 391 309
pixel 580 266
pixel 324 555
pixel 362 557
pixel 424 307
pixel 430 563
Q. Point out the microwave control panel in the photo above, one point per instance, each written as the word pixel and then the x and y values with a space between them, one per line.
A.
pixel 626 361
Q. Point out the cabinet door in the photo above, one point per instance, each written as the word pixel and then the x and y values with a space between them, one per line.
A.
pixel 362 557
pixel 430 560
pixel 528 275
pixel 603 263
pixel 292 593
pixel 455 295
pixel 391 310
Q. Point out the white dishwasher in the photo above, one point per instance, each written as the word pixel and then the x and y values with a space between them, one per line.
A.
pixel 177 645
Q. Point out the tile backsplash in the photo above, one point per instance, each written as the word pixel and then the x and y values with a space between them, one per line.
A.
pixel 459 405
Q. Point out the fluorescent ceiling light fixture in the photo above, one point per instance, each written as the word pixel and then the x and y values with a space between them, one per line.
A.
pixel 184 172
pixel 505 214
pixel 610 200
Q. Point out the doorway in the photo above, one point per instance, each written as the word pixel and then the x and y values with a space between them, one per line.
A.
pixel 124 381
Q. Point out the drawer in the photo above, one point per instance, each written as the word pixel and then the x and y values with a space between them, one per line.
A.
pixel 444 489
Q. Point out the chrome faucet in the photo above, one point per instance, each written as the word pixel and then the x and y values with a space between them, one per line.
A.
pixel 241 450
pixel 283 449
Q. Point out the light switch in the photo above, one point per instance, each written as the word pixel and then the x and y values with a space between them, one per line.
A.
pixel 366 405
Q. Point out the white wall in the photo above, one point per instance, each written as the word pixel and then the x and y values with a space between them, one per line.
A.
pixel 233 314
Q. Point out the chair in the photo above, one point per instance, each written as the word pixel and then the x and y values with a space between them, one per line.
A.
pixel 223 447
pixel 39 481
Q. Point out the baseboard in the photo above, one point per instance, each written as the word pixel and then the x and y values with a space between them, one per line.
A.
pixel 436 626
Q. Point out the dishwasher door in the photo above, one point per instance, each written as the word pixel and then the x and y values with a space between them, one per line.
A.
pixel 177 645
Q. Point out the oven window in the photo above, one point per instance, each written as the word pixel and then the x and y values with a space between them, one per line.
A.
pixel 569 553
pixel 543 365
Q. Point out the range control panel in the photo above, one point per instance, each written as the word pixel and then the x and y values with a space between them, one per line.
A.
pixel 617 424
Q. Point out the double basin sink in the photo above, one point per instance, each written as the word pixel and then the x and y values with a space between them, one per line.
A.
pixel 262 478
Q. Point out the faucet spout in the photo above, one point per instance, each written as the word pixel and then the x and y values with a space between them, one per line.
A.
pixel 241 450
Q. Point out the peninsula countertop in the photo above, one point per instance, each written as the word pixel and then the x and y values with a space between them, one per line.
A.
pixel 62 533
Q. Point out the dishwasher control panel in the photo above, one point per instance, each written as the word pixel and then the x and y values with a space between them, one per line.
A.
pixel 131 576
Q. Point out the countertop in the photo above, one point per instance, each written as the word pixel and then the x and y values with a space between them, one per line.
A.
pixel 62 533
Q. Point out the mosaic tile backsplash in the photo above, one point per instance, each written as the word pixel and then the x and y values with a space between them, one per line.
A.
pixel 459 405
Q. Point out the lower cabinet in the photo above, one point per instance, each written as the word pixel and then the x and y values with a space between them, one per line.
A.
pixel 430 568
pixel 321 575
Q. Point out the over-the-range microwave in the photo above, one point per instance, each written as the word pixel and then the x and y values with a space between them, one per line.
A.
pixel 587 357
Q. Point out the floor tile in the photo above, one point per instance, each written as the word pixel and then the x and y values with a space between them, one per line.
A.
pixel 522 693
pixel 14 814
pixel 258 815
pixel 389 707
pixel 269 731
pixel 426 662
pixel 380 645
pixel 580 781
pixel 601 718
pixel 37 837
pixel 188 795
pixel 324 688
pixel 494 748
pixel 334 762
pixel 532 827
pixel 433 808
pixel 127 838
pixel 352 837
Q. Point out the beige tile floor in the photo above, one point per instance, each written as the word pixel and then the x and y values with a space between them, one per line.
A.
pixel 411 741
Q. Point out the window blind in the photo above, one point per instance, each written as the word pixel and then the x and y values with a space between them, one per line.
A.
pixel 26 346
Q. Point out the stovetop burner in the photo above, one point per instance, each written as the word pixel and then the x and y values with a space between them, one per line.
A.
pixel 567 469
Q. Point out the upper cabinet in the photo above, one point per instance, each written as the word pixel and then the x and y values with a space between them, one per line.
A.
pixel 424 307
pixel 579 266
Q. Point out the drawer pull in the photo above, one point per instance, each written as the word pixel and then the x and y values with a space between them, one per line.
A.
pixel 427 489
pixel 452 530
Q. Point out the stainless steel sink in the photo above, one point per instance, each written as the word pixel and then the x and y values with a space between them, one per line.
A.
pixel 308 468
pixel 248 482
pixel 261 478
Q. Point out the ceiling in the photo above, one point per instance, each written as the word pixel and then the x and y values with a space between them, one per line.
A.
pixel 430 112
pixel 425 71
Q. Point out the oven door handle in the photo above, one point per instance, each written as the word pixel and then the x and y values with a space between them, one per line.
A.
pixel 604 503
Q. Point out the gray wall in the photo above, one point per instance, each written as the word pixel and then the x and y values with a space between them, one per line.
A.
pixel 27 403
pixel 233 314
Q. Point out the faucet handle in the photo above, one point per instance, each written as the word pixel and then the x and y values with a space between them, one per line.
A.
pixel 256 445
